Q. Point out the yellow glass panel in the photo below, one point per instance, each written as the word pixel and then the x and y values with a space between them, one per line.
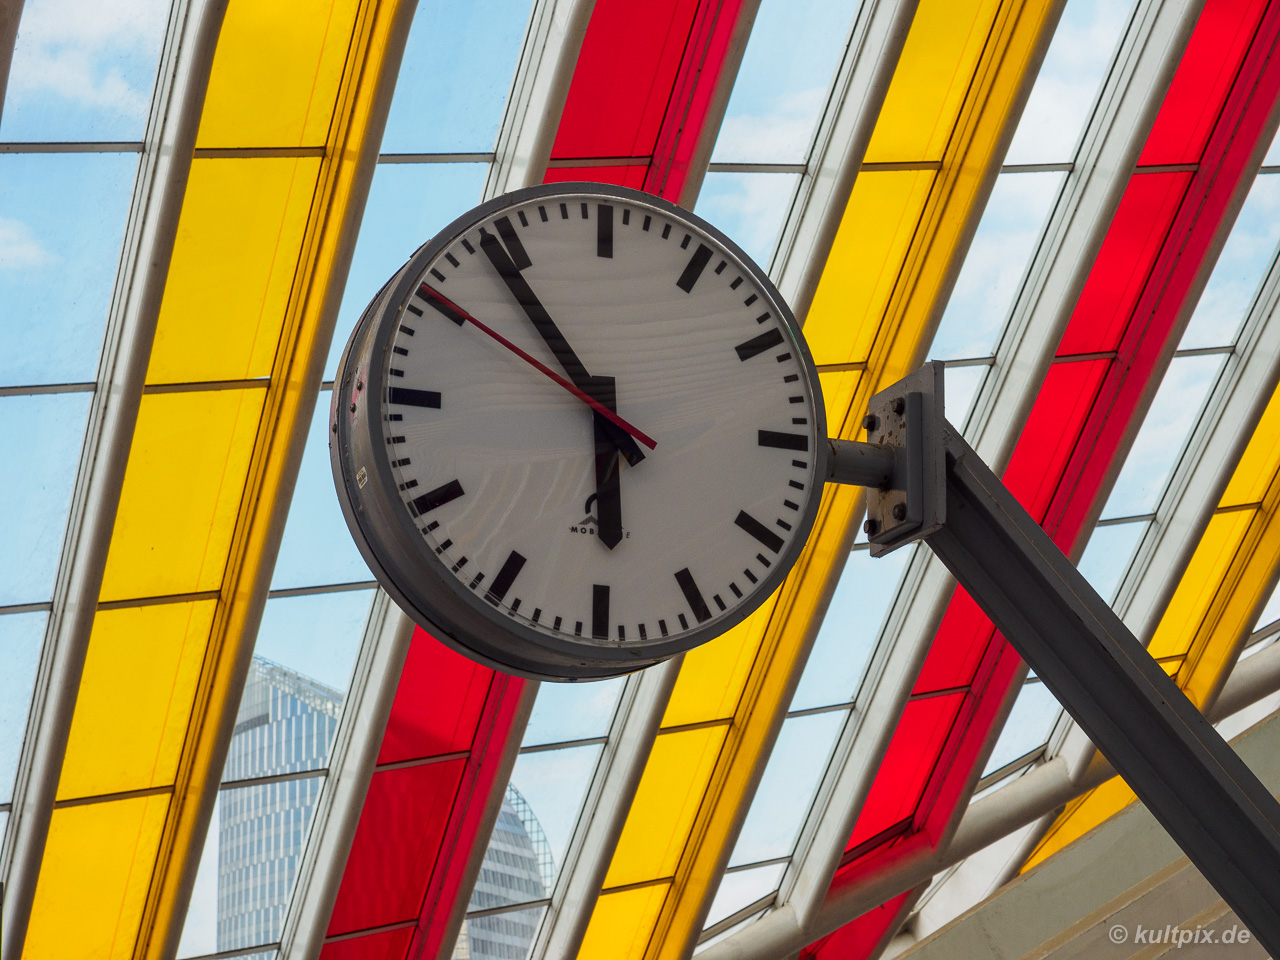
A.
pixel 838 390
pixel 622 923
pixel 1199 584
pixel 665 803
pixel 1082 816
pixel 135 698
pixel 94 879
pixel 879 223
pixel 712 675
pixel 233 267
pixel 276 73
pixel 1260 461
pixel 182 491
pixel 931 80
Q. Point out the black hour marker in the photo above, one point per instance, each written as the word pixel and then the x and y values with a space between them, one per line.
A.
pixel 622 632
pixel 604 230
pixel 564 215
pixel 796 483
pixel 736 284
pixel 459 565
pixel 791 378
pixel 396 439
pixel 799 420
pixel 537 614
pixel 750 300
pixel 750 576
pixel 514 247
pixel 432 525
pixel 723 264
pixel 662 627
pixel 800 463
pixel 719 602
pixel 647 220
pixel 437 274
pixel 795 399
pixel 416 312
pixel 758 345
pixel 783 524
pixel 476 581
pixel 414 398
pixel 763 559
pixel 466 245
pixel 524 221
pixel 515 604
pixel 555 625
pixel 403 462
pixel 408 484
pixel 577 628
pixel 736 592
pixel 643 635
pixel 626 219
pixel 506 576
pixel 758 530
pixel 438 497
pixel 783 441
pixel 452 259
pixel 684 244
pixel 783 357
pixel 693 595
pixel 666 231
pixel 394 372
pixel 790 506
pixel 585 215
pixel 599 611
pixel 444 546
pixel 395 417
pixel 401 351
pixel 440 305
pixel 542 212
pixel 693 269
pixel 684 624
pixel 762 318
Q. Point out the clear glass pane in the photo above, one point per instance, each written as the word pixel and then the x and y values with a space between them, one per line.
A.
pixel 994 266
pixel 318 636
pixel 1030 722
pixel 506 935
pixel 409 203
pixel 62 219
pixel 317 548
pixel 742 888
pixel 457 70
pixel 1068 84
pixel 1106 558
pixel 1271 611
pixel 1247 255
pixel 259 834
pixel 784 80
pixel 83 69
pixel 21 635
pixel 286 724
pixel 41 437
pixel 960 390
pixel 572 711
pixel 850 628
pixel 1163 435
pixel 532 834
pixel 748 207
pixel 786 790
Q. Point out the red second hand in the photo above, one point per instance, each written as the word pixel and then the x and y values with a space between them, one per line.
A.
pixel 594 404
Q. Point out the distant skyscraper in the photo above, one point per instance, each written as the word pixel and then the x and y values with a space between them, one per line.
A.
pixel 518 867
pixel 285 725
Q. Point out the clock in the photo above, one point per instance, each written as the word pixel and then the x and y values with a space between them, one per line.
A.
pixel 578 433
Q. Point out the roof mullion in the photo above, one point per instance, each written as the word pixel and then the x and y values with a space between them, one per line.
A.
pixel 183 77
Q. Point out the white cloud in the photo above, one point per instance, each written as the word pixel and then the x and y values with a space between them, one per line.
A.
pixel 19 248
pixel 780 135
pixel 74 49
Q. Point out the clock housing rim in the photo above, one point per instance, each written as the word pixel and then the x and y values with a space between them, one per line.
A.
pixel 418 581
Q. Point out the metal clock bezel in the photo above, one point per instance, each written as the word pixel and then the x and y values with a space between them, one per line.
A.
pixel 393 546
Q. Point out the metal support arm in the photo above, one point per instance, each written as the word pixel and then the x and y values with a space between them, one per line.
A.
pixel 1211 804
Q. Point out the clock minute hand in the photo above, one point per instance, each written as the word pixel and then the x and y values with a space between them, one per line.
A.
pixel 555 340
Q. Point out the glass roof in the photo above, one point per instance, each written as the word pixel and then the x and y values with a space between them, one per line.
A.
pixel 647 815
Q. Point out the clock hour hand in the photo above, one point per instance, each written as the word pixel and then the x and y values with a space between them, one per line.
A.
pixel 608 466
pixel 554 339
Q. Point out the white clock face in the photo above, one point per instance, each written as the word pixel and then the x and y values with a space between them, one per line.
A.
pixel 599 421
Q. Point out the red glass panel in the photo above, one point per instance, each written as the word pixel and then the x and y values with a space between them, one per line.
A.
pixel 437 702
pixel 957 647
pixel 631 175
pixel 624 78
pixel 1049 437
pixel 906 766
pixel 396 844
pixel 387 945
pixel 862 937
pixel 1128 253
pixel 1208 67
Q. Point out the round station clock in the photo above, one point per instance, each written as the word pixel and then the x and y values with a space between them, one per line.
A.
pixel 578 433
